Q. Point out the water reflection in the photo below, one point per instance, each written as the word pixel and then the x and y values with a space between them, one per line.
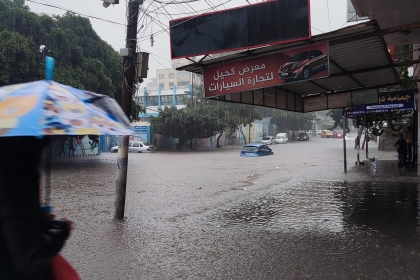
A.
pixel 389 208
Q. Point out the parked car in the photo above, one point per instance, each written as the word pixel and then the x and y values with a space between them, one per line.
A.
pixel 303 65
pixel 302 137
pixel 256 150
pixel 137 147
pixel 268 140
pixel 326 133
pixel 281 138
pixel 337 135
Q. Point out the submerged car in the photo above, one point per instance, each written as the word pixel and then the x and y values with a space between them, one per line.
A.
pixel 303 65
pixel 256 150
pixel 268 140
pixel 302 137
pixel 137 147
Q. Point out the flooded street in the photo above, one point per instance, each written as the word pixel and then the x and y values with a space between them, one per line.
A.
pixel 216 215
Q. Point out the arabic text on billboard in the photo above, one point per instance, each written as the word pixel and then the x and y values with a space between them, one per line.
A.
pixel 304 63
pixel 390 102
pixel 261 24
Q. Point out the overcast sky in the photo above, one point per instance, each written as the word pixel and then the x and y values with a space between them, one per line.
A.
pixel 326 15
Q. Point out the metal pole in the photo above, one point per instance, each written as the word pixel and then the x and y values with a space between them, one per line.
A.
pixel 344 142
pixel 125 102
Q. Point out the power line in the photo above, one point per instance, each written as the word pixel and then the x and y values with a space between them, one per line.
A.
pixel 73 12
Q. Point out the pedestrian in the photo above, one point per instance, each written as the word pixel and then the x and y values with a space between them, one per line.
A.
pixel 71 147
pixel 401 146
pixel 409 139
pixel 29 239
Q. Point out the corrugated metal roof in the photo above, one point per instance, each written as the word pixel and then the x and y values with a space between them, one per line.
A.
pixel 359 60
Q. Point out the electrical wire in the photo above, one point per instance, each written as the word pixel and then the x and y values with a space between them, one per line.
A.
pixel 329 21
pixel 74 12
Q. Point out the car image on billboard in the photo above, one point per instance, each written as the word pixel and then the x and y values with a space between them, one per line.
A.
pixel 303 65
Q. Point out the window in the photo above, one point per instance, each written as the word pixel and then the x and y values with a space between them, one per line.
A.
pixel 152 101
pixel 182 84
pixel 180 99
pixel 161 76
pixel 135 144
pixel 161 85
pixel 171 85
pixel 171 76
pixel 139 100
pixel 167 100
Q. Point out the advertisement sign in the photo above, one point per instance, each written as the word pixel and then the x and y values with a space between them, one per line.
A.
pixel 269 22
pixel 389 102
pixel 304 63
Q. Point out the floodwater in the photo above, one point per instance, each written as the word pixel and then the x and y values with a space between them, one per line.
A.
pixel 216 215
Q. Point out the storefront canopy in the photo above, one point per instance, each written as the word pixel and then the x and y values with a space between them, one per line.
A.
pixel 359 63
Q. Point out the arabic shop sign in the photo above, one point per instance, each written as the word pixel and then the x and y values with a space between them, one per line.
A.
pixel 389 102
pixel 304 63
pixel 333 101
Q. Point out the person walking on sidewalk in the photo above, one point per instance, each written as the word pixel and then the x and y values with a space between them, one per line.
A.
pixel 401 146
pixel 409 139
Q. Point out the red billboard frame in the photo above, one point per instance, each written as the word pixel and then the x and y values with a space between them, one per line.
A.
pixel 266 71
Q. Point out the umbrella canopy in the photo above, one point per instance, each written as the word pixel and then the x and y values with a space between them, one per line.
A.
pixel 49 108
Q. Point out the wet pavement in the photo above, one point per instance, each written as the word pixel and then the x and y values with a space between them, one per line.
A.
pixel 216 215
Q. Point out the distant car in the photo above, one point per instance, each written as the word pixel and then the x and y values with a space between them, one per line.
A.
pixel 302 137
pixel 137 147
pixel 268 140
pixel 281 138
pixel 337 135
pixel 303 65
pixel 318 132
pixel 326 133
pixel 256 150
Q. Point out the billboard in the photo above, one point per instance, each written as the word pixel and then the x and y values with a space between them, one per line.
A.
pixel 265 23
pixel 389 102
pixel 304 63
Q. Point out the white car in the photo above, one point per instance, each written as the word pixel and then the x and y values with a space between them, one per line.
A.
pixel 281 139
pixel 137 147
pixel 268 140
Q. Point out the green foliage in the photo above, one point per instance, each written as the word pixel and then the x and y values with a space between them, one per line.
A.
pixel 202 118
pixel 293 121
pixel 337 116
pixel 82 59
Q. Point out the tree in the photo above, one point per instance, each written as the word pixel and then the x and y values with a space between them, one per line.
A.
pixel 185 124
pixel 83 60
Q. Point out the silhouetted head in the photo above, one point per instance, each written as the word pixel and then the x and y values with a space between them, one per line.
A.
pixel 21 153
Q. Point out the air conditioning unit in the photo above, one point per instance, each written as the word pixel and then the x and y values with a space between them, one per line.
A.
pixel 142 64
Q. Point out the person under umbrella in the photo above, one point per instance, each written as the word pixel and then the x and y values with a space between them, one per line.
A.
pixel 29 238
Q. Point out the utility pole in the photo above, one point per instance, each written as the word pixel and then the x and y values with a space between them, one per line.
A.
pixel 129 81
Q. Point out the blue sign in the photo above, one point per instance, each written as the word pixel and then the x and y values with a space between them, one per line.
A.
pixel 389 102
pixel 140 129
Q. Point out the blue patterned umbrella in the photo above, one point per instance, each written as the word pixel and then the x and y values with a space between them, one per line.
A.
pixel 49 108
